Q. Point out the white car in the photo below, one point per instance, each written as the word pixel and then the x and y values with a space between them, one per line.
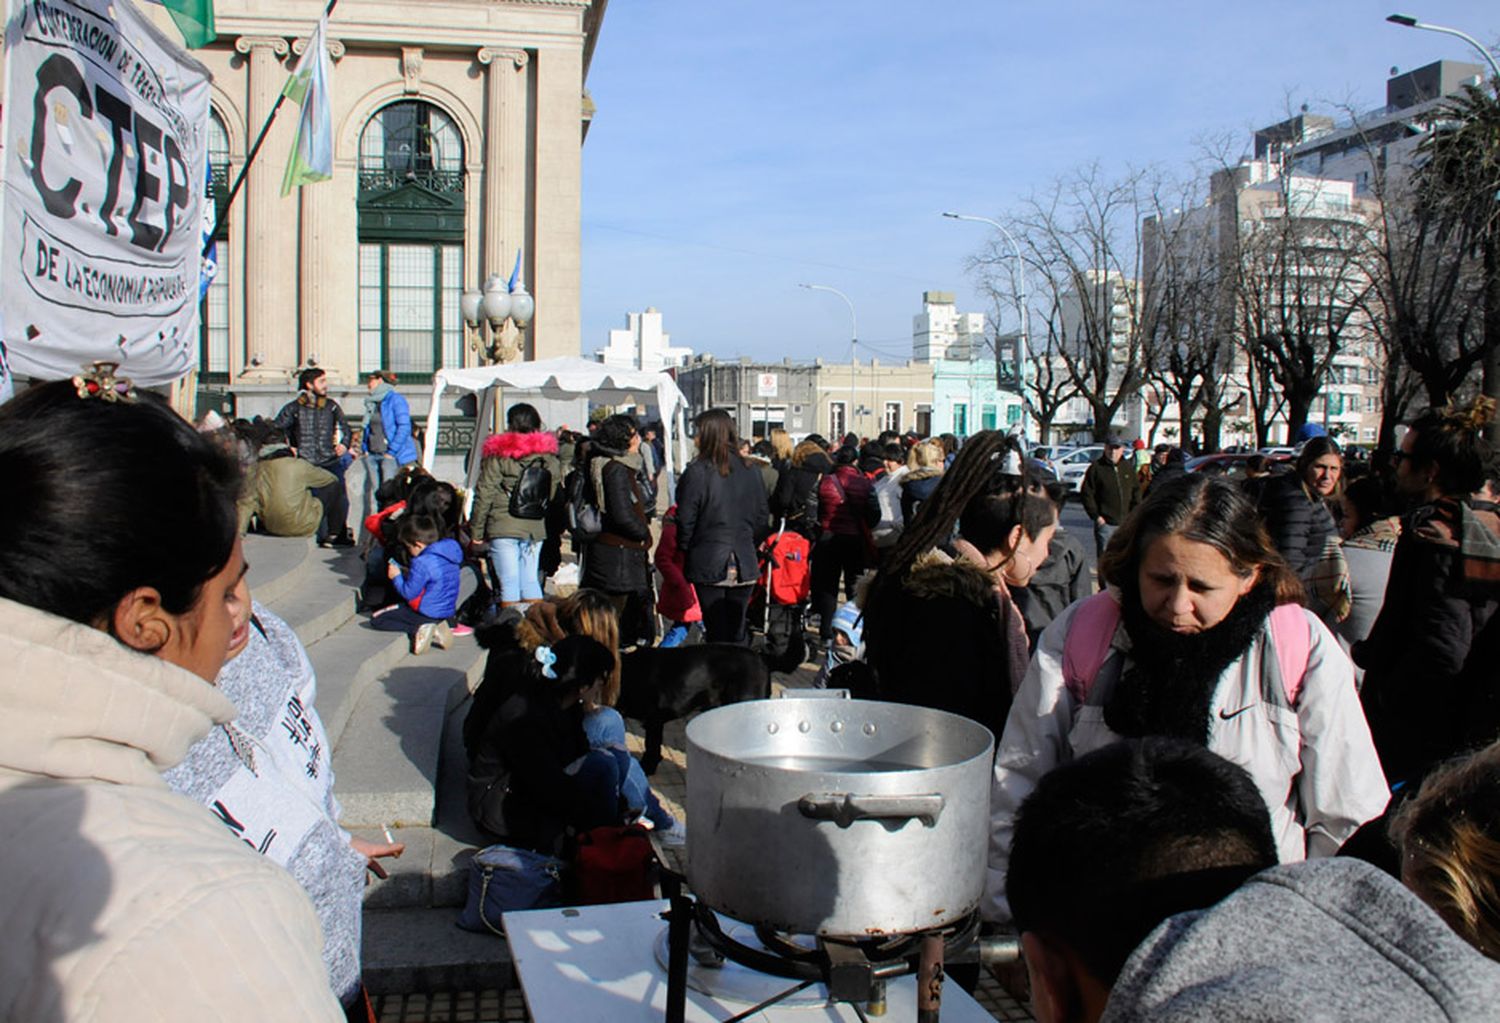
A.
pixel 1072 465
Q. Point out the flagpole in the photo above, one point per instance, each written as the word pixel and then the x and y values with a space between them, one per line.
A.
pixel 239 179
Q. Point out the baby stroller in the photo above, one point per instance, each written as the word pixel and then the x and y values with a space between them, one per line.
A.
pixel 782 596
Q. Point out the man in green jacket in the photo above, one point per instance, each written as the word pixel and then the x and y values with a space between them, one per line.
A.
pixel 1110 490
pixel 289 494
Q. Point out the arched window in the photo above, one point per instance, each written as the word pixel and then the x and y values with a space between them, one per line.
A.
pixel 213 323
pixel 411 232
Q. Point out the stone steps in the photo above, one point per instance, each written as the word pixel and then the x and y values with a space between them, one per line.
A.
pixel 408 950
pixel 386 756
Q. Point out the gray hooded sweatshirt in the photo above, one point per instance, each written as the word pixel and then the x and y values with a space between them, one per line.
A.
pixel 1323 940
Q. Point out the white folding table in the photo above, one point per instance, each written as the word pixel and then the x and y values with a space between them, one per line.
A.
pixel 588 963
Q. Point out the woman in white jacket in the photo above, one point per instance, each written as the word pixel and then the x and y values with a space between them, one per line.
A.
pixel 120 577
pixel 1200 636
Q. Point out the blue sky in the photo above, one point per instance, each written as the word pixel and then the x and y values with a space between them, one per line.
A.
pixel 741 148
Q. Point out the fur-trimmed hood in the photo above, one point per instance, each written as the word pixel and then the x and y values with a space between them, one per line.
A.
pixel 935 575
pixel 520 445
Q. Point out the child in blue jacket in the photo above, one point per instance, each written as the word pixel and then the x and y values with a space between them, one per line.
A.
pixel 429 586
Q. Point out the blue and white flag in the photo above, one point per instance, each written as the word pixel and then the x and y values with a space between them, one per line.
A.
pixel 312 150
pixel 210 268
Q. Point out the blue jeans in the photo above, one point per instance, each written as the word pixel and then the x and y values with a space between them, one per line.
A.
pixel 378 469
pixel 517 564
pixel 1102 533
pixel 605 729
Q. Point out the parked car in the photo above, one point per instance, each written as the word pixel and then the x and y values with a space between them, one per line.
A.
pixel 1071 465
pixel 1232 466
pixel 1279 452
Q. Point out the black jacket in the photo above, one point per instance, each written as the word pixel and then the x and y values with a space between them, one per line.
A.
pixel 1431 687
pixel 616 561
pixel 947 615
pixel 1299 525
pixel 313 426
pixel 517 788
pixel 720 520
pixel 1110 491
pixel 916 487
pixel 796 494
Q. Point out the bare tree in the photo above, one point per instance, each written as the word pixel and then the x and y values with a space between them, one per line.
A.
pixel 1080 241
pixel 1299 267
pixel 1425 304
pixel 1189 355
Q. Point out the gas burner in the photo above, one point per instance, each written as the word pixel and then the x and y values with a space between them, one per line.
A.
pixel 853 970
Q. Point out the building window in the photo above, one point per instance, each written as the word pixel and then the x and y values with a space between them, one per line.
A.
pixel 213 319
pixel 891 420
pixel 408 307
pixel 960 419
pixel 836 419
pixel 989 417
pixel 411 233
pixel 923 424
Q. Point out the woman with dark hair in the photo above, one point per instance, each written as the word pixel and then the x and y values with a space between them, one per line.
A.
pixel 120 585
pixel 1199 636
pixel 1431 656
pixel 1295 505
pixel 543 779
pixel 617 560
pixel 721 517
pixel 955 591
pixel 519 477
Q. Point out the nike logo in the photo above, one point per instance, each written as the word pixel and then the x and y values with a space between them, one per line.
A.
pixel 1229 714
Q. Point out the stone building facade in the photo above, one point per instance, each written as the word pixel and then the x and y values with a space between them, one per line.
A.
pixel 458 130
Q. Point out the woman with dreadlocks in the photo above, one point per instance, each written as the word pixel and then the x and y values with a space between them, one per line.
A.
pixel 957 587
pixel 1201 635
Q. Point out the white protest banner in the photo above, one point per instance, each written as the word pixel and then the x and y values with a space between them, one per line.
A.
pixel 105 127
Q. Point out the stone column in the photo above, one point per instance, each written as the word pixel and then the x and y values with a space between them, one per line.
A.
pixel 270 223
pixel 317 317
pixel 504 156
pixel 559 149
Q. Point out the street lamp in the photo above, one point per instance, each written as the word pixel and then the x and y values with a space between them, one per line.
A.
pixel 1406 21
pixel 494 305
pixel 1023 350
pixel 853 340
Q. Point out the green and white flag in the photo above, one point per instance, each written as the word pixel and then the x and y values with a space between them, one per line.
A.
pixel 194 19
pixel 312 149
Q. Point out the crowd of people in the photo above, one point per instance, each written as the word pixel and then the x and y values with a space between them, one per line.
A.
pixel 1257 755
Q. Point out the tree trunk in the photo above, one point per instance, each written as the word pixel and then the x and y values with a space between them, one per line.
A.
pixel 1492 326
pixel 1297 406
pixel 1103 421
pixel 1213 423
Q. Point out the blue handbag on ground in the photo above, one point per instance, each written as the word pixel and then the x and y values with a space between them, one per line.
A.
pixel 502 879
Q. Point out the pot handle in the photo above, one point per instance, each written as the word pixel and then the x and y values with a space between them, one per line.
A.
pixel 844 808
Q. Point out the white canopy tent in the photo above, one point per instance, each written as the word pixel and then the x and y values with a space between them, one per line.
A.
pixel 559 379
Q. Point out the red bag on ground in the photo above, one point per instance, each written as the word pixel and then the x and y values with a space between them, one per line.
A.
pixel 613 864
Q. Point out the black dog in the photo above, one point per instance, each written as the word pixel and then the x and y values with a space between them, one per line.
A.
pixel 660 685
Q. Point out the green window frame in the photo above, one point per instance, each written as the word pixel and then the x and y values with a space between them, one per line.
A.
pixel 411 235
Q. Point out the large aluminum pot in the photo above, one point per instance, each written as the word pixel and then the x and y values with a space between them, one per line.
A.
pixel 843 818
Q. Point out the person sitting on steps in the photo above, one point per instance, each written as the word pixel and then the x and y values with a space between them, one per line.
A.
pixel 428 586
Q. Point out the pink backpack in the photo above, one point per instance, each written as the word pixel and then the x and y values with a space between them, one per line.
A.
pixel 1093 628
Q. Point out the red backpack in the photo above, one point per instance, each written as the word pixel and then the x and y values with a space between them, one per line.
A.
pixel 1093 628
pixel 787 571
